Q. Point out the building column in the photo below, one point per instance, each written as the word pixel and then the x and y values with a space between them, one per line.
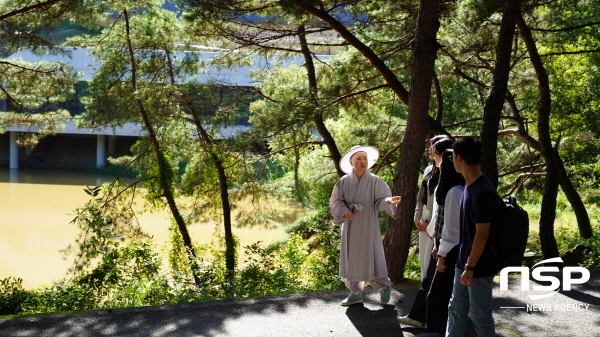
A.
pixel 14 151
pixel 112 145
pixel 100 150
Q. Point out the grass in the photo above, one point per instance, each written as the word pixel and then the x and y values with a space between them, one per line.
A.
pixel 565 225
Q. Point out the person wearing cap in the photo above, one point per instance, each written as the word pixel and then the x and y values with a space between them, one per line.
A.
pixel 355 201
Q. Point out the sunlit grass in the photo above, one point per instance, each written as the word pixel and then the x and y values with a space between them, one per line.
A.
pixel 566 229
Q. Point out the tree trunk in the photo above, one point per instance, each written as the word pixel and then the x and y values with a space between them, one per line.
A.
pixel 548 212
pixel 397 237
pixel 165 170
pixel 336 156
pixel 583 219
pixel 379 64
pixel 439 99
pixel 226 206
pixel 495 101
pixel 230 246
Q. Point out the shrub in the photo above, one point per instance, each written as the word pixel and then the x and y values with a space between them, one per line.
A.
pixel 568 238
pixel 12 296
pixel 61 298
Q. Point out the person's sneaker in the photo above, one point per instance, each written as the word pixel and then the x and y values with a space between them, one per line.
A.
pixel 385 295
pixel 352 299
pixel 412 322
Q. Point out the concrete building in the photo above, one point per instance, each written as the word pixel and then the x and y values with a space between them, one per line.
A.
pixel 77 148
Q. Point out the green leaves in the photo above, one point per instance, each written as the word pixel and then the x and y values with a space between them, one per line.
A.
pixel 92 191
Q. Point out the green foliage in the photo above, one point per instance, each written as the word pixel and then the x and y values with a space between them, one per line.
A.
pixel 261 272
pixel 107 250
pixel 116 264
pixel 144 291
pixel 568 238
pixel 61 298
pixel 413 268
pixel 266 273
pixel 317 221
pixel 477 11
pixel 129 263
pixel 12 296
pixel 323 262
pixel 566 230
pixel 293 258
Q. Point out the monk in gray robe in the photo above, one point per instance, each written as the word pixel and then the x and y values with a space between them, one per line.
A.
pixel 356 199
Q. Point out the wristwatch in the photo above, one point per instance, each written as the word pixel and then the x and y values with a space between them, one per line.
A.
pixel 467 267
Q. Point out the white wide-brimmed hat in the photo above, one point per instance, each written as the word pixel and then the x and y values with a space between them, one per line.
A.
pixel 372 156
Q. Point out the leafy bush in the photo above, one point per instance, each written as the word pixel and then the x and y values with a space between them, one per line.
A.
pixel 12 296
pixel 61 298
pixel 260 275
pixel 322 264
pixel 412 270
pixel 567 238
pixel 134 261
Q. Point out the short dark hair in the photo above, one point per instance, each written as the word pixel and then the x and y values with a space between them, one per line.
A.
pixel 469 149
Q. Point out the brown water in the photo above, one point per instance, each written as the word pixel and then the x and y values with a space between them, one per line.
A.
pixel 37 206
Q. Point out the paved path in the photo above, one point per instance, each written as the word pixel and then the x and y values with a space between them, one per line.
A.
pixel 318 314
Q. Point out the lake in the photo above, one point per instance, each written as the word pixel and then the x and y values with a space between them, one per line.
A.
pixel 36 207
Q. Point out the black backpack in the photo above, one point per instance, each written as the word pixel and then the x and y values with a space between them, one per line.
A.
pixel 508 236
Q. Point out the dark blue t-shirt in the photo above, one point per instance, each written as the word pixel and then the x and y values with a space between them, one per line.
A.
pixel 483 212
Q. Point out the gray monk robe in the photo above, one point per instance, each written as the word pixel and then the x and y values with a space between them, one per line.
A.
pixel 361 252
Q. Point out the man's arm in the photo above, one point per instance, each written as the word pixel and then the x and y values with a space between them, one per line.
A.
pixel 482 232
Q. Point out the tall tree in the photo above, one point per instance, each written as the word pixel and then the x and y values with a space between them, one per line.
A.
pixel 425 47
pixel 31 90
pixel 313 96
pixel 478 60
pixel 125 87
pixel 210 146
pixel 325 16
pixel 495 101
pixel 548 213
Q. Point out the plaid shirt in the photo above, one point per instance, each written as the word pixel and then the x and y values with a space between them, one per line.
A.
pixel 439 223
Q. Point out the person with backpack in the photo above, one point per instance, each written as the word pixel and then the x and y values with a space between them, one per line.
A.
pixel 476 264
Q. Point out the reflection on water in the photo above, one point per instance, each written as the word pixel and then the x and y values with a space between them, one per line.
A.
pixel 36 207
pixel 52 177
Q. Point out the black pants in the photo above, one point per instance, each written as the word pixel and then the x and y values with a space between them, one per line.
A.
pixel 418 311
pixel 439 295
